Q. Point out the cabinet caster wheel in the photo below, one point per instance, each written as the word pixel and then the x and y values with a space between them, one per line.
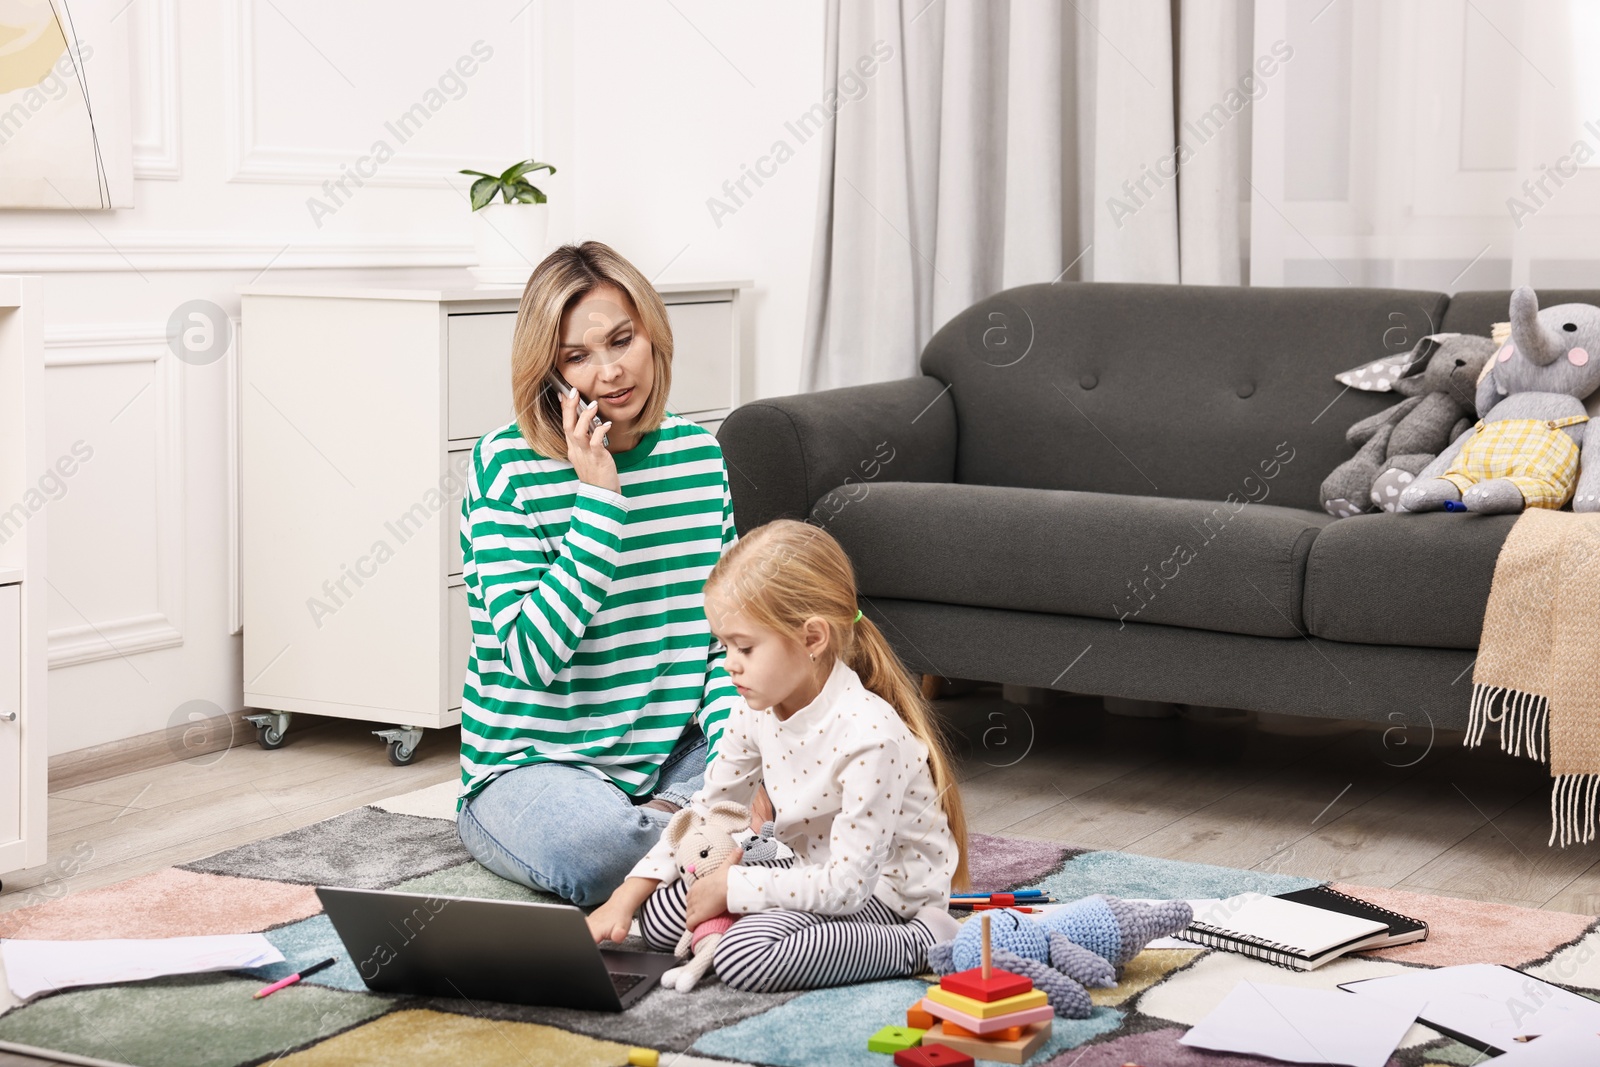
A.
pixel 270 728
pixel 402 742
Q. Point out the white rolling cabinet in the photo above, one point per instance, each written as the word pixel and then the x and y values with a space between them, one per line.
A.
pixel 24 754
pixel 360 401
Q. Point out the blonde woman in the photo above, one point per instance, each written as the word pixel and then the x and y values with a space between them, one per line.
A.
pixel 588 528
pixel 843 740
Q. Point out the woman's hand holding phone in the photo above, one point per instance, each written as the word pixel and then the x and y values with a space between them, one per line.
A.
pixel 589 457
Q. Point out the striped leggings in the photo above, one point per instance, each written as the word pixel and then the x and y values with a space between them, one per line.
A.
pixel 778 951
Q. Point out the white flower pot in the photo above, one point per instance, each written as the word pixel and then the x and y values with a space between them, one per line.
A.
pixel 510 240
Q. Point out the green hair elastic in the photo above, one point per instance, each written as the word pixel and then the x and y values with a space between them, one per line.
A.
pixel 858 616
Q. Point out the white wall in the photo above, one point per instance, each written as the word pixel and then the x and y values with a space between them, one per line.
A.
pixel 666 103
pixel 242 110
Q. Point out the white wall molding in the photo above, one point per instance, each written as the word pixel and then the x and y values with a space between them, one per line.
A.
pixel 107 344
pixel 78 250
pixel 89 345
pixel 291 166
pixel 279 165
pixel 89 643
pixel 157 153
pixel 235 481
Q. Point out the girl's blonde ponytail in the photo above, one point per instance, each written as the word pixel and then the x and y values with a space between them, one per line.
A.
pixel 871 657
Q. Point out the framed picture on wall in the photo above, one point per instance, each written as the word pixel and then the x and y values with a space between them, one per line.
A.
pixel 66 139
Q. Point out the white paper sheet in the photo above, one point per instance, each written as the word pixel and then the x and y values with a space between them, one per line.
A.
pixel 1487 1003
pixel 34 967
pixel 1303 1025
pixel 1563 1048
pixel 8 999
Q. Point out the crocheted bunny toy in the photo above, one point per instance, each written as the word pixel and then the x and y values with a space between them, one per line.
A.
pixel 1532 446
pixel 702 842
pixel 1085 943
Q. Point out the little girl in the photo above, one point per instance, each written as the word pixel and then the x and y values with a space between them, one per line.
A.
pixel 845 745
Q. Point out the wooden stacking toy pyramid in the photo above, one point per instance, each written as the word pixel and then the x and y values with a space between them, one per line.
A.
pixel 985 1012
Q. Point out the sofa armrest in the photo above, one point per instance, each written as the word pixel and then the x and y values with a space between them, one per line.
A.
pixel 790 456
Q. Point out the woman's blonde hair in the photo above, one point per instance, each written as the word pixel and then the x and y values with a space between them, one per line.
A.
pixel 560 280
pixel 783 573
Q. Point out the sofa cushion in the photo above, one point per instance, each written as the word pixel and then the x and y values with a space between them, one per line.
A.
pixel 1236 567
pixel 1404 579
pixel 1166 390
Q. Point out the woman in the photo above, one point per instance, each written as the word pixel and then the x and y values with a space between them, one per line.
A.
pixel 594 682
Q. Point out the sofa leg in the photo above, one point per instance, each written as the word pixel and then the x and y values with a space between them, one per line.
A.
pixel 1036 696
pixel 936 687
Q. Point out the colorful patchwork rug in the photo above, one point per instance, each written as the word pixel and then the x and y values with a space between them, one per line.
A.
pixel 409 843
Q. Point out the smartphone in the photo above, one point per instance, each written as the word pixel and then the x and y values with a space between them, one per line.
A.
pixel 594 423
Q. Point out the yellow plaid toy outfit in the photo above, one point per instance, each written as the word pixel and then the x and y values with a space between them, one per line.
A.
pixel 1534 454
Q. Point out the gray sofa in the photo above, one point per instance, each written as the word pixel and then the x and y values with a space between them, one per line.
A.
pixel 1112 489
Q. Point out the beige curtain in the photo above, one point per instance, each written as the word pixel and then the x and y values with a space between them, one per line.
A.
pixel 1002 142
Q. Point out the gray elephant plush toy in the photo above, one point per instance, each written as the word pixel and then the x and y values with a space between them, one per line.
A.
pixel 1530 448
pixel 1438 379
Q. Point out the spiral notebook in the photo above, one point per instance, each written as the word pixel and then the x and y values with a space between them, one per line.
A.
pixel 1284 932
pixel 1403 929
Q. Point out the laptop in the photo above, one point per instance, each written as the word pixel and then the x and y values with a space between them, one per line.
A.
pixel 501 950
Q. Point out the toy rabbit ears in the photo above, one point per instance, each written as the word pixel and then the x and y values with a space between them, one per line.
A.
pixel 1380 375
pixel 724 815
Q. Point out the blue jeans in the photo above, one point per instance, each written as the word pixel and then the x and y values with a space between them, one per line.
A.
pixel 565 830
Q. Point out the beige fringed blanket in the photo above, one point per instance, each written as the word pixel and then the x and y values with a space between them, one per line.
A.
pixel 1538 667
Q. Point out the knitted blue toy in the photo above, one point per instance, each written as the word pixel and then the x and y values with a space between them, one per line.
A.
pixel 1085 943
pixel 1118 930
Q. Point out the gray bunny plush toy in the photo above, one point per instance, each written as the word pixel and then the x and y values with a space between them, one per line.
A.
pixel 1438 379
pixel 1530 448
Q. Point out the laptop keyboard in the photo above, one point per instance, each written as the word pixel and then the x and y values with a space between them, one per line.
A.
pixel 622 981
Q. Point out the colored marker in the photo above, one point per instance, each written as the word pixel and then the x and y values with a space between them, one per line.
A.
pixel 1002 900
pixel 293 978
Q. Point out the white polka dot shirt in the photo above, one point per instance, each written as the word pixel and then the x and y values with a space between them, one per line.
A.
pixel 854 800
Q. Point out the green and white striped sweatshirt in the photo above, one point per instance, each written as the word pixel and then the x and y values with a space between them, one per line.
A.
pixel 590 644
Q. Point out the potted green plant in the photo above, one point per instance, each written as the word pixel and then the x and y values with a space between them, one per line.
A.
pixel 509 233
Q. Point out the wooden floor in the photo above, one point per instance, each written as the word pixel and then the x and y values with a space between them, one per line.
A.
pixel 1340 800
pixel 113 829
pixel 1356 804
